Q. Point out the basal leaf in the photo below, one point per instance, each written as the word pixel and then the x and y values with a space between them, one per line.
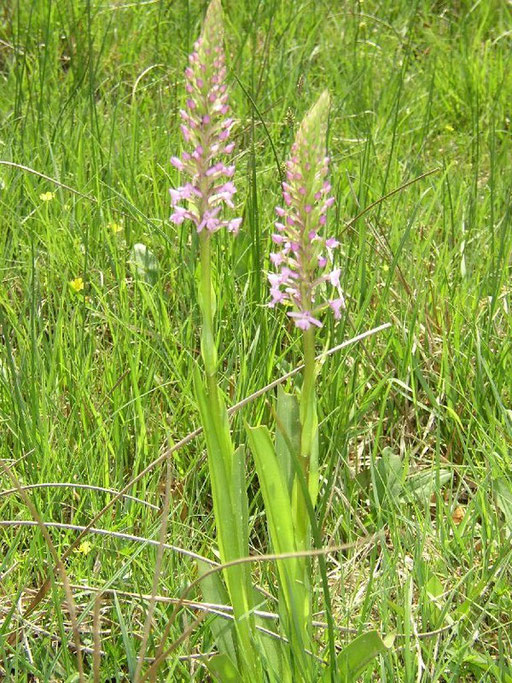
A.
pixel 214 592
pixel 288 422
pixel 358 654
pixel 223 669
pixel 292 571
pixel 503 492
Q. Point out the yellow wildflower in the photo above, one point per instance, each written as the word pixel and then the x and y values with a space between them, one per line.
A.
pixel 77 284
pixel 85 548
pixel 47 196
pixel 115 227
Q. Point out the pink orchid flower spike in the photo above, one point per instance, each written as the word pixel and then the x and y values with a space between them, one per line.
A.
pixel 306 279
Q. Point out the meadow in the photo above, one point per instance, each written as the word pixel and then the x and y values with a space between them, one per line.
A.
pixel 99 331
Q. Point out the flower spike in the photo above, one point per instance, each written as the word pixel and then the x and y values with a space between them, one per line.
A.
pixel 206 128
pixel 304 261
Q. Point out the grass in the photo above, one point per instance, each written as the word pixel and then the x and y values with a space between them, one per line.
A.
pixel 416 422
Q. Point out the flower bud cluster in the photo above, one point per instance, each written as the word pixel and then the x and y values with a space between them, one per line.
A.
pixel 306 279
pixel 206 128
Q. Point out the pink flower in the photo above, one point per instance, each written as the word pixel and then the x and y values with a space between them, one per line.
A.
pixel 177 163
pixel 334 277
pixel 304 320
pixel 337 306
pixel 234 225
pixel 179 215
pixel 206 130
pixel 303 281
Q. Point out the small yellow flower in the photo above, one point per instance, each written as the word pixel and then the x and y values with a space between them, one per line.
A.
pixel 47 196
pixel 115 227
pixel 77 284
pixel 449 128
pixel 84 548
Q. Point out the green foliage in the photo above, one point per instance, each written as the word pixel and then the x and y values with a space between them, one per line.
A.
pixel 293 583
pixel 222 667
pixel 287 435
pixel 227 476
pixel 93 382
pixel 145 263
pixel 355 657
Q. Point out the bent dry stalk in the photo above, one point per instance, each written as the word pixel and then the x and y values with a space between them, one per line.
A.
pixel 209 188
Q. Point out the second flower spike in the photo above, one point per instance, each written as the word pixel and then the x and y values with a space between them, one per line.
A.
pixel 306 279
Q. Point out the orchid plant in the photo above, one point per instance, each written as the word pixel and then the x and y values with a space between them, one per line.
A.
pixel 308 284
pixel 206 128
pixel 306 281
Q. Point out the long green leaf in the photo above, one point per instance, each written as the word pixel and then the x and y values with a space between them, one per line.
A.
pixel 214 591
pixel 358 654
pixel 220 481
pixel 274 490
pixel 228 523
pixel 289 423
pixel 292 571
pixel 223 669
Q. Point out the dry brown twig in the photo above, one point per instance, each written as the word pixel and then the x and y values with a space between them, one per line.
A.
pixel 59 565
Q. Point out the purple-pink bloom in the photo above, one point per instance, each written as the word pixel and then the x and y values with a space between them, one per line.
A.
pixel 306 279
pixel 206 130
pixel 304 319
pixel 337 306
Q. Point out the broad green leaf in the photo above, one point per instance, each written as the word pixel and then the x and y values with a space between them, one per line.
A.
pixel 214 591
pixel 424 484
pixel 503 494
pixel 292 571
pixel 358 654
pixel 220 480
pixel 222 669
pixel 388 475
pixel 274 490
pixel 144 262
pixel 288 421
pixel 228 522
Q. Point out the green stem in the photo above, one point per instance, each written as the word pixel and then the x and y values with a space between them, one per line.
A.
pixel 308 401
pixel 232 536
pixel 308 441
pixel 209 348
pixel 207 304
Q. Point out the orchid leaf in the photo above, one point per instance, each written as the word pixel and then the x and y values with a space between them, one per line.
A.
pixel 287 434
pixel 292 570
pixel 359 654
pixel 223 669
pixel 214 592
